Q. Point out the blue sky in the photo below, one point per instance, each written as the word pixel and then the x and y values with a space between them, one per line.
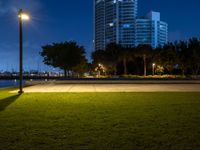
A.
pixel 61 20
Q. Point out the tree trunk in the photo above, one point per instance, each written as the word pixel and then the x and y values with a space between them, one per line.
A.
pixel 68 74
pixel 196 70
pixel 65 73
pixel 115 70
pixel 125 66
pixel 145 65
pixel 183 72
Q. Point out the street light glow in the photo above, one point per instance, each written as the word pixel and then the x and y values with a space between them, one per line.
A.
pixel 24 16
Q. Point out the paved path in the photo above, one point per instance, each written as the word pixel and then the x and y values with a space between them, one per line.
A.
pixel 46 88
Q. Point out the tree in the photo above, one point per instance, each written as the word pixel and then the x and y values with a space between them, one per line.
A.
pixel 108 57
pixel 169 57
pixel 145 52
pixel 126 55
pixel 99 56
pixel 113 55
pixel 183 55
pixel 65 55
pixel 82 68
pixel 194 48
pixel 159 70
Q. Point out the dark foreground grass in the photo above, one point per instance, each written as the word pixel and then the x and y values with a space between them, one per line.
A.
pixel 135 121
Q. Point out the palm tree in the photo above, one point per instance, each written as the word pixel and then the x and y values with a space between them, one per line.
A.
pixel 108 57
pixel 113 54
pixel 183 53
pixel 194 47
pixel 169 56
pixel 126 55
pixel 144 51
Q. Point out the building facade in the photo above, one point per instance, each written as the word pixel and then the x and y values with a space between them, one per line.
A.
pixel 99 24
pixel 115 21
pixel 150 30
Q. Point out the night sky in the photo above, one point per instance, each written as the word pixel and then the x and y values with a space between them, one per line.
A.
pixel 61 20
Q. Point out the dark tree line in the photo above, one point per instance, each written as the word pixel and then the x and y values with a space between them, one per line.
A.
pixel 181 57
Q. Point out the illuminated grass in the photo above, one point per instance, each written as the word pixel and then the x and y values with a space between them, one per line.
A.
pixel 100 121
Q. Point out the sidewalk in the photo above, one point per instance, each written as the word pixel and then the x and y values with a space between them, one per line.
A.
pixel 47 88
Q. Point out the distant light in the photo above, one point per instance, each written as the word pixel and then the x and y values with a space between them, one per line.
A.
pixel 24 16
pixel 153 64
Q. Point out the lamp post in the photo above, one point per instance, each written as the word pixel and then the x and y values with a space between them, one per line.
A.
pixel 153 69
pixel 22 16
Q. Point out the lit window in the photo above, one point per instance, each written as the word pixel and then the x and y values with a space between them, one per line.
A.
pixel 126 25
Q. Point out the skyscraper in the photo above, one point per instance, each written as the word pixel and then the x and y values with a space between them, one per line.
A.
pixel 115 21
pixel 150 30
pixel 99 24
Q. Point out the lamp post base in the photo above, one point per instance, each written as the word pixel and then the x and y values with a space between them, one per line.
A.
pixel 20 92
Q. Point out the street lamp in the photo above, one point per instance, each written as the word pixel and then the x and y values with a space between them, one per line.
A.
pixel 22 17
pixel 153 69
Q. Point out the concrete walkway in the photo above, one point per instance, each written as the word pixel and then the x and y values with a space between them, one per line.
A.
pixel 47 88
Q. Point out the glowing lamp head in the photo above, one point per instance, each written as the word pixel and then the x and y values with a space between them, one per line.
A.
pixel 24 16
pixel 154 64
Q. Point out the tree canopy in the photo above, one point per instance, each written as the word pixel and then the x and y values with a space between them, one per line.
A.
pixel 180 57
pixel 67 56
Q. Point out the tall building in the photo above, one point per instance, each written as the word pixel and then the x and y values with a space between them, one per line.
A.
pixel 115 21
pixel 150 30
pixel 99 24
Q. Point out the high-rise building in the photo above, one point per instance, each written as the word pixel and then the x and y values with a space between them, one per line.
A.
pixel 150 30
pixel 99 24
pixel 115 21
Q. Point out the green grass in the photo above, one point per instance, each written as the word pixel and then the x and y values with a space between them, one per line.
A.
pixel 135 121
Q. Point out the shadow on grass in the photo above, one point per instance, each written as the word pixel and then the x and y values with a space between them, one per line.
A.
pixel 4 103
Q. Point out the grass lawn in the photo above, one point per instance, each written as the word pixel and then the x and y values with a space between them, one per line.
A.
pixel 135 121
